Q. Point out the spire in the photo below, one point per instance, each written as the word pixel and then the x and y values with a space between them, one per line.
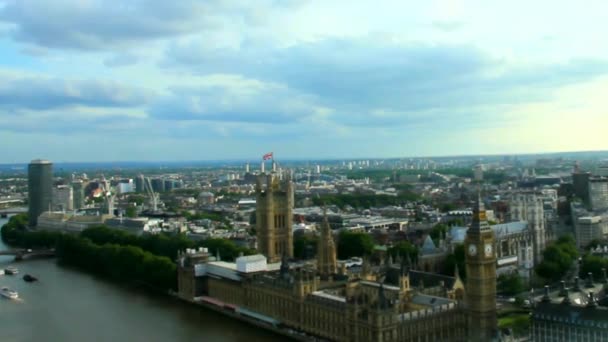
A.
pixel 405 267
pixel 456 272
pixel 589 283
pixel 592 302
pixel 480 222
pixel 398 260
pixel 284 270
pixel 563 291
pixel 546 297
pixel 566 300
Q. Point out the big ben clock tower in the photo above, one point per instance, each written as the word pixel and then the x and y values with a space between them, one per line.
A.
pixel 480 295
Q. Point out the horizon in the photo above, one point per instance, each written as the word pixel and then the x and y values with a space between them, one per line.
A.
pixel 225 79
pixel 335 159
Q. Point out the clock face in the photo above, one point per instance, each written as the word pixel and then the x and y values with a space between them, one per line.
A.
pixel 472 250
pixel 488 249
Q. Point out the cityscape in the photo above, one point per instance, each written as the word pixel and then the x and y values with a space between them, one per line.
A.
pixel 229 170
pixel 505 248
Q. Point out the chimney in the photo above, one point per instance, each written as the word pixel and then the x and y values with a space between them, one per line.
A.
pixel 546 298
pixel 589 282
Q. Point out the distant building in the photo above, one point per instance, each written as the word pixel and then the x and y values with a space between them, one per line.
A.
pixel 598 193
pixel 206 198
pixel 158 185
pixel 580 184
pixel 478 173
pixel 169 184
pixel 63 197
pixel 40 188
pixel 588 228
pixel 140 183
pixel 78 190
pixel 125 186
pixel 66 222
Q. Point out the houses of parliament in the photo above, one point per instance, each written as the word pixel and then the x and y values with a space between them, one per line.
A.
pixel 324 300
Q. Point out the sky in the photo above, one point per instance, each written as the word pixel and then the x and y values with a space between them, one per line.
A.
pixel 147 80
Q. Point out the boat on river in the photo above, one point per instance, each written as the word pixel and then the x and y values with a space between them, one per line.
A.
pixel 8 293
pixel 29 278
pixel 11 270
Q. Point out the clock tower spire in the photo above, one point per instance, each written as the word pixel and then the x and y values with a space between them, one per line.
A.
pixel 480 259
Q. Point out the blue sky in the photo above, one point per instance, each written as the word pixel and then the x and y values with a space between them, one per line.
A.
pixel 108 80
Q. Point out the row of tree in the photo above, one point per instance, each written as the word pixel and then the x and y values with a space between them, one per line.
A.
pixel 365 200
pixel 121 262
pixel 117 254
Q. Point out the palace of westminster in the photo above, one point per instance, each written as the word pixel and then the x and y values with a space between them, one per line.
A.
pixel 326 300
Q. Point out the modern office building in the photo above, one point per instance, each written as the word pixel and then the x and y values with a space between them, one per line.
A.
pixel 580 183
pixel 140 182
pixel 598 193
pixel 78 189
pixel 63 198
pixel 589 228
pixel 158 184
pixel 40 188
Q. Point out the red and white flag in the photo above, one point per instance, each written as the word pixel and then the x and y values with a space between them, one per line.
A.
pixel 267 156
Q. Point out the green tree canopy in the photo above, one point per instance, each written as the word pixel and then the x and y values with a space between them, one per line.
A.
pixel 558 258
pixel 354 244
pixel 510 284
pixel 455 259
pixel 403 249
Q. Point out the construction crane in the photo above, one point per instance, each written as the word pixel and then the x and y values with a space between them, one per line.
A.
pixel 151 194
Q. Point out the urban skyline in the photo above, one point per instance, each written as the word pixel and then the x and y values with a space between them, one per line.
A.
pixel 226 80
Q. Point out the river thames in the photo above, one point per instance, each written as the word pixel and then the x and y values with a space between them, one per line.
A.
pixel 69 305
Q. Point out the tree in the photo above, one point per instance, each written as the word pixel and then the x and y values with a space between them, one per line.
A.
pixel 593 264
pixel 557 259
pixel 131 211
pixel 438 231
pixel 302 244
pixel 510 284
pixel 403 249
pixel 455 259
pixel 354 244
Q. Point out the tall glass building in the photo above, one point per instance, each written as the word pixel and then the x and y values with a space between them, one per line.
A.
pixel 40 188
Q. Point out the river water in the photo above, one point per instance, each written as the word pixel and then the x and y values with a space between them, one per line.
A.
pixel 69 305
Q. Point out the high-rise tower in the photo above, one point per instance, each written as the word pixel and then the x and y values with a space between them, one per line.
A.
pixel 274 216
pixel 40 188
pixel 480 259
pixel 326 251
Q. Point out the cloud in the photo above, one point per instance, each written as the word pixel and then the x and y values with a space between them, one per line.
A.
pixel 40 93
pixel 108 24
pixel 224 98
pixel 120 60
pixel 381 81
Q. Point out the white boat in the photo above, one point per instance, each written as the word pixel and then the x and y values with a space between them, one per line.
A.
pixel 8 293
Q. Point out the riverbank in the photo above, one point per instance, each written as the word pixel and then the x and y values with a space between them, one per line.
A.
pixel 73 306
pixel 285 332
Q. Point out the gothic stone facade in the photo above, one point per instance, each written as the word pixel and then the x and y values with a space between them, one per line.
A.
pixel 274 216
